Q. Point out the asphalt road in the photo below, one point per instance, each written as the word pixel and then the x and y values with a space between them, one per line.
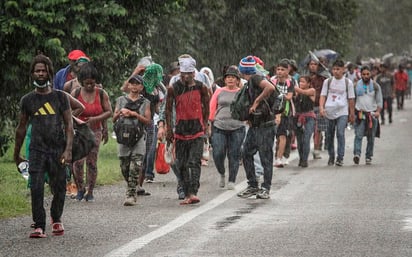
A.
pixel 354 210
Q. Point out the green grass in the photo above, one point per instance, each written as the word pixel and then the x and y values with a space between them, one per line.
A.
pixel 15 196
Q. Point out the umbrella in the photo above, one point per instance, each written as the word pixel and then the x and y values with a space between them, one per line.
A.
pixel 327 53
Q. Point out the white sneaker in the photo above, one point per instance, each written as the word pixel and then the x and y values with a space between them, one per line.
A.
pixel 285 161
pixel 230 186
pixel 278 163
pixel 222 181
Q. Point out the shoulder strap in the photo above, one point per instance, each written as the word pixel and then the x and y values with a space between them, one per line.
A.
pixel 77 92
pixel 101 95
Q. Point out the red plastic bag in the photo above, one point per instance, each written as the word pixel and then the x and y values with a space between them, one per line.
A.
pixel 161 165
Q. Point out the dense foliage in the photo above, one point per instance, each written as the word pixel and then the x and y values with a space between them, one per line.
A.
pixel 116 34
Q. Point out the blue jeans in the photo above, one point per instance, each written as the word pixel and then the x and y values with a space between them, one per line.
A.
pixel 151 144
pixel 227 143
pixel 259 139
pixel 339 125
pixel 360 133
pixel 303 136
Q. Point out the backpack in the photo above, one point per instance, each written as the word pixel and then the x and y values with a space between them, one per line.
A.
pixel 239 108
pixel 129 130
pixel 83 140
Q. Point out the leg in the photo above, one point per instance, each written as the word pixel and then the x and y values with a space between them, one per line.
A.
pixel 220 145
pixel 342 122
pixel 235 138
pixel 249 150
pixel 57 174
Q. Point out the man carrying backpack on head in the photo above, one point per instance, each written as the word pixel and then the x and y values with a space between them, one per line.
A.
pixel 261 134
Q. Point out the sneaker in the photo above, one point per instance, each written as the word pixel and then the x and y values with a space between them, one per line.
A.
pixel 230 186
pixel 80 195
pixel 222 181
pixel 248 192
pixel 356 159
pixel 339 162
pixel 316 155
pixel 331 161
pixel 278 163
pixel 304 164
pixel 368 161
pixel 38 233
pixel 285 161
pixel 149 180
pixel 263 194
pixel 180 192
pixel 89 197
pixel 130 201
pixel 57 229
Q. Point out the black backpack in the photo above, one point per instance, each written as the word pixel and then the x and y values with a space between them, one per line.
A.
pixel 129 130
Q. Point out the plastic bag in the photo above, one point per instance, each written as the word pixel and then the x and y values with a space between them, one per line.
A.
pixel 161 166
pixel 205 155
pixel 170 153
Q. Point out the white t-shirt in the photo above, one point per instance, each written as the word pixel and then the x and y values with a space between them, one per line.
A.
pixel 336 104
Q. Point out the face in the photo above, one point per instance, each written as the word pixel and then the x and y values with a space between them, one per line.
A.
pixel 231 81
pixel 338 72
pixel 313 67
pixel 40 74
pixel 282 72
pixel 187 77
pixel 89 84
pixel 135 87
pixel 366 76
pixel 303 83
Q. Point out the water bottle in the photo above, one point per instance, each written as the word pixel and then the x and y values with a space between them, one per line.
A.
pixel 24 169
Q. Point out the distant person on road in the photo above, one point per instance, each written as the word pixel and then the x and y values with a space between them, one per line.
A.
pixel 401 85
pixel 261 134
pixel 368 107
pixel 50 150
pixel 385 80
pixel 337 104
pixel 131 157
pixel 190 99
pixel 227 133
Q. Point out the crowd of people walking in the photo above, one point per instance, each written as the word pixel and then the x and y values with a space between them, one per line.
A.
pixel 188 109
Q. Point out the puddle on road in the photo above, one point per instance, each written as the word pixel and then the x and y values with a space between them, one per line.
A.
pixel 226 222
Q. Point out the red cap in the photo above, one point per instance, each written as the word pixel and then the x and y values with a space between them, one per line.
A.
pixel 76 54
pixel 259 61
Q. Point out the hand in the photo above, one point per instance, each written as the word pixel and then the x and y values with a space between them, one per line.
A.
pixel 169 136
pixel 161 132
pixel 105 136
pixel 351 118
pixel 66 158
pixel 322 112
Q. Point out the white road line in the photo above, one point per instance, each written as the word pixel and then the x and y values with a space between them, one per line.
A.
pixel 408 219
pixel 138 243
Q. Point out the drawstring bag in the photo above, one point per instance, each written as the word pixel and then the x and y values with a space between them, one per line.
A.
pixel 161 166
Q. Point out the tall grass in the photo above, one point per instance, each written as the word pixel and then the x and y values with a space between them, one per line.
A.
pixel 15 196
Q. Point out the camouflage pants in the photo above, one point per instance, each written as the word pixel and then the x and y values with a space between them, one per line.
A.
pixel 131 167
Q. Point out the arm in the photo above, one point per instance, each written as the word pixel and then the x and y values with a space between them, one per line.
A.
pixel 19 137
pixel 311 92
pixel 205 104
pixel 68 124
pixel 168 114
pixel 268 89
pixel 76 106
pixel 322 101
